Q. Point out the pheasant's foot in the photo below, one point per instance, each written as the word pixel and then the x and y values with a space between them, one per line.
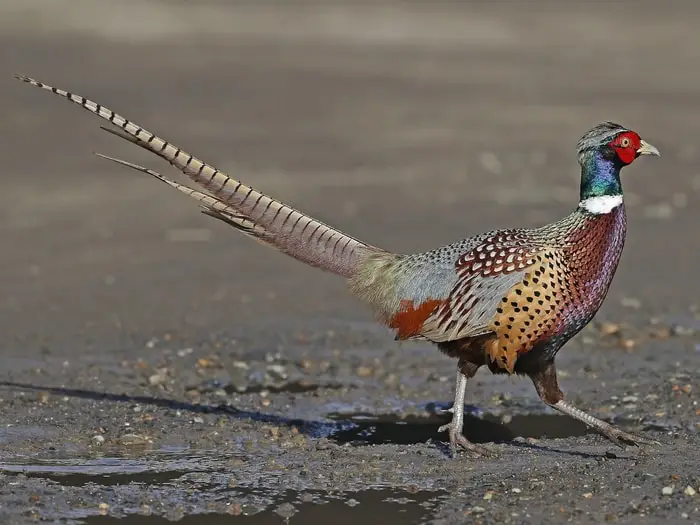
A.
pixel 622 438
pixel 454 427
pixel 617 436
pixel 457 439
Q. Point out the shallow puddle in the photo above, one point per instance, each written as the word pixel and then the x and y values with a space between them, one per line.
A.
pixel 192 487
pixel 384 506
pixel 368 429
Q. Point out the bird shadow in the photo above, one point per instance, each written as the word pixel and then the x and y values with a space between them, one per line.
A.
pixel 363 429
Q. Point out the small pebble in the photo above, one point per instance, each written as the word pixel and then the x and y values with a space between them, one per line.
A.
pixel 490 162
pixel 631 302
pixel 609 329
pixel 98 439
pixel 134 440
pixel 157 378
pixel 478 510
pixel 42 397
pixel 286 510
pixel 667 491
pixel 662 210
pixel 517 490
pixel 277 371
pixel 204 362
pixel 364 371
pixel 689 491
pixel 198 419
pixel 628 344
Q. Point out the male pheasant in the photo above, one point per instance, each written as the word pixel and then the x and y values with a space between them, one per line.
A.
pixel 507 299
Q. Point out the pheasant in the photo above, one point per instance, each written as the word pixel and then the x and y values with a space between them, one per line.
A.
pixel 506 299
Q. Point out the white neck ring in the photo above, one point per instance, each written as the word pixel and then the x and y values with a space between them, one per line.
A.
pixel 602 204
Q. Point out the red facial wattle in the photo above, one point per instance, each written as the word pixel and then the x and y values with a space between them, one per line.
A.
pixel 626 146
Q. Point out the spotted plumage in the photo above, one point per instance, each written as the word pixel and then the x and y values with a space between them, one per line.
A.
pixel 506 299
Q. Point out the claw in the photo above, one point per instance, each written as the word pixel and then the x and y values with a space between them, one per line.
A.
pixel 458 439
pixel 622 439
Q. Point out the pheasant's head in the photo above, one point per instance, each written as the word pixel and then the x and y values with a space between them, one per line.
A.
pixel 602 153
pixel 615 143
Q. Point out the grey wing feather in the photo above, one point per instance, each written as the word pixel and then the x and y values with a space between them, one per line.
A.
pixel 470 308
pixel 486 268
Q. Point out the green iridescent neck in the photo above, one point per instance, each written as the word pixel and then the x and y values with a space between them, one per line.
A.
pixel 600 175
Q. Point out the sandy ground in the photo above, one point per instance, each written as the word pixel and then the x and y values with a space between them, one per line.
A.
pixel 159 366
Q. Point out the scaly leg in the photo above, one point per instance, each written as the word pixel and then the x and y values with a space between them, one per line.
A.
pixel 455 426
pixel 548 389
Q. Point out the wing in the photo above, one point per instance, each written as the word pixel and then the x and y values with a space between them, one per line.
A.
pixel 509 286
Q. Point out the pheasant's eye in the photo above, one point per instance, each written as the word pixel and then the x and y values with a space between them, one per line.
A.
pixel 625 142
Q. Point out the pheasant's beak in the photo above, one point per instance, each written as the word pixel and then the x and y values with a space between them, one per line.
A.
pixel 647 149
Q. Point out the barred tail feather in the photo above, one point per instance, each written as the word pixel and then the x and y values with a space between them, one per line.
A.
pixel 252 212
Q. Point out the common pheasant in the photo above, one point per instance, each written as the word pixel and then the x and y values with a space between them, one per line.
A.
pixel 508 299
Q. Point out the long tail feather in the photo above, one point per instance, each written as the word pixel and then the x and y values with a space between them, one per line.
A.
pixel 274 222
pixel 210 205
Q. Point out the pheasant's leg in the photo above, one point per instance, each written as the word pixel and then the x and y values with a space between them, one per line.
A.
pixel 455 426
pixel 548 389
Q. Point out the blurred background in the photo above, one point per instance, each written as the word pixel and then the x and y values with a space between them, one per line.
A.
pixel 408 124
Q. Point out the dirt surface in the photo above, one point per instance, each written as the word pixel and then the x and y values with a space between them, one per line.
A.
pixel 159 366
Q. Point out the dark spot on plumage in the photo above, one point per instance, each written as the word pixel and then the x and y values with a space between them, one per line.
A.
pixel 526 283
pixel 535 280
pixel 497 323
pixel 511 319
pixel 537 293
pixel 519 292
pixel 505 299
pixel 525 308
pixel 499 310
pixel 513 303
pixel 516 310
